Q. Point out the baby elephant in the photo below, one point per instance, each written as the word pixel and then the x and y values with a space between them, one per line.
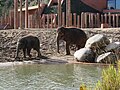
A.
pixel 26 44
pixel 71 36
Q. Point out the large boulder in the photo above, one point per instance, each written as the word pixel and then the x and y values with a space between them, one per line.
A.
pixel 97 41
pixel 108 58
pixel 85 55
pixel 114 47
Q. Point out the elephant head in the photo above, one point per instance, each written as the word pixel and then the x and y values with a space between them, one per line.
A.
pixel 60 36
pixel 20 45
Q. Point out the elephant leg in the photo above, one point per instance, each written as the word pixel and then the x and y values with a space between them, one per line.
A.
pixel 28 52
pixel 38 51
pixel 67 49
pixel 78 47
pixel 24 52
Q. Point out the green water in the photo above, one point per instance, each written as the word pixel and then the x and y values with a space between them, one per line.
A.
pixel 48 77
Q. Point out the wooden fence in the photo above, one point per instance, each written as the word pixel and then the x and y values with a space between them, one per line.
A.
pixel 84 20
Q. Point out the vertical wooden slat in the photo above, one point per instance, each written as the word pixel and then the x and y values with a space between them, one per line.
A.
pixel 38 14
pixel 68 9
pixel 105 18
pixel 70 23
pixel 78 21
pixel 82 20
pixel 15 14
pixel 101 18
pixel 26 13
pixel 55 25
pixel 21 14
pixel 59 13
pixel 109 20
pixel 74 15
pixel 89 20
pixel 98 20
pixel 0 20
pixel 85 18
pixel 48 21
pixel 113 21
pixel 63 19
pixel 51 20
pixel 116 20
pixel 43 23
pixel 92 20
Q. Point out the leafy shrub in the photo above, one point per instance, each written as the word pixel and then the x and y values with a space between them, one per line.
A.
pixel 110 79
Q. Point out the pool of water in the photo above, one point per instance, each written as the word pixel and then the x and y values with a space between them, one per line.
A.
pixel 48 77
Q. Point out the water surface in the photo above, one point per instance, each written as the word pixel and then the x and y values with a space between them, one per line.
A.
pixel 48 77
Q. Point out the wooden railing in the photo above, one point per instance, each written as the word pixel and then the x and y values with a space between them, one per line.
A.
pixel 84 20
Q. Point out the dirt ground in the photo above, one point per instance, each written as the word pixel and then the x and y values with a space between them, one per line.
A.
pixel 8 43
pixel 9 38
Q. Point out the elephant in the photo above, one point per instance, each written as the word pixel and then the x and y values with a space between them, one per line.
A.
pixel 71 36
pixel 26 44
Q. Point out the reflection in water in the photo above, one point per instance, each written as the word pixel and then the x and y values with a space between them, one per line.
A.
pixel 48 77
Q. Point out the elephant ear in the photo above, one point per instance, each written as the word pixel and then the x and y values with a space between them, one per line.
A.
pixel 61 30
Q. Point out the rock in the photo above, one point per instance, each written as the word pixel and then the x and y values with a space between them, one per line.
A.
pixel 85 55
pixel 97 41
pixel 107 58
pixel 112 46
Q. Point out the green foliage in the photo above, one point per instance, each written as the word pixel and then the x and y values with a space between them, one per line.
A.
pixel 110 79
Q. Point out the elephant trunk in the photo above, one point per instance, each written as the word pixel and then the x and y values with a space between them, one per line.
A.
pixel 17 51
pixel 58 43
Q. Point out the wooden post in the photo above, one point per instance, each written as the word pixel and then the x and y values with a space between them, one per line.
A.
pixel 43 23
pixel 55 25
pixel 78 21
pixel 1 20
pixel 89 20
pixel 74 19
pixel 98 20
pixel 15 14
pixel 47 20
pixel 101 19
pixel 68 10
pixel 21 14
pixel 63 19
pixel 105 18
pixel 113 21
pixel 116 20
pixel 82 20
pixel 92 20
pixel 51 20
pixel 26 13
pixel 59 13
pixel 109 19
pixel 38 14
pixel 85 17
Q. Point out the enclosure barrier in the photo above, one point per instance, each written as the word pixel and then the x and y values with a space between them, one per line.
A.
pixel 83 20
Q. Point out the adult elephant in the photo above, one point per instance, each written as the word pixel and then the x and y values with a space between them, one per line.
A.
pixel 71 36
pixel 26 44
